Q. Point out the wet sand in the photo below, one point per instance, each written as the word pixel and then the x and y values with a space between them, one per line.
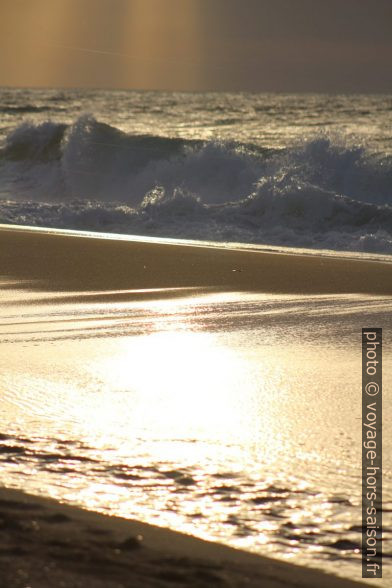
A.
pixel 124 269
pixel 45 544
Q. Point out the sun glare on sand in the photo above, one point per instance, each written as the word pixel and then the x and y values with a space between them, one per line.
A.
pixel 194 383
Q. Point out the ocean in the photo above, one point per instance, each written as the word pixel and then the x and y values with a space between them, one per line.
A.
pixel 312 171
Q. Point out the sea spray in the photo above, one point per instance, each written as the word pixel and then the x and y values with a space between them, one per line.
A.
pixel 322 192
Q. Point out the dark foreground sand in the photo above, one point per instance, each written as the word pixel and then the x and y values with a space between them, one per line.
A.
pixel 47 545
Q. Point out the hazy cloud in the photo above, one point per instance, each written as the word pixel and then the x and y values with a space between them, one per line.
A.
pixel 259 45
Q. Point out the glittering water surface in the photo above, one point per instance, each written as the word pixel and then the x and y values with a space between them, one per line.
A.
pixel 267 120
pixel 232 417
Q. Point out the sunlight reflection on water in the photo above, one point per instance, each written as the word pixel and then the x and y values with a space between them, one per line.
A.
pixel 233 417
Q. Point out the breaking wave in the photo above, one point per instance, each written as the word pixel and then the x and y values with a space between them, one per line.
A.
pixel 322 193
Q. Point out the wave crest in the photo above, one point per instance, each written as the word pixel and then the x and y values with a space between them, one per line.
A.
pixel 89 175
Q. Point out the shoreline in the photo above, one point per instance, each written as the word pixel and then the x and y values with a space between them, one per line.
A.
pixel 48 542
pixel 53 544
pixel 140 268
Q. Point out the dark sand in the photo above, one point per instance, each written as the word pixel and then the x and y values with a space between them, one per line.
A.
pixel 49 545
pixel 58 262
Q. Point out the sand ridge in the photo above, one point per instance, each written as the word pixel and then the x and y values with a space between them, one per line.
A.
pixel 59 262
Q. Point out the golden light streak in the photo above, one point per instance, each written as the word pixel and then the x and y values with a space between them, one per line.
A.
pixel 149 44
pixel 164 43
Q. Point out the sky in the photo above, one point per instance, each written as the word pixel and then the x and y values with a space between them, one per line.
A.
pixel 198 45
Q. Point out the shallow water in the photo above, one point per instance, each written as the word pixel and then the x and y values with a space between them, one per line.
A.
pixel 234 417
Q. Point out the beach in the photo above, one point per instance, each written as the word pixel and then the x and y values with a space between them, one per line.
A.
pixel 195 294
pixel 55 261
pixel 76 301
pixel 46 544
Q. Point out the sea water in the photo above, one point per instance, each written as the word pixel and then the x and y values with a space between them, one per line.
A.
pixel 288 170
pixel 232 417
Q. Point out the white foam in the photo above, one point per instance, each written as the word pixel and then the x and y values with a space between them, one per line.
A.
pixel 322 193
